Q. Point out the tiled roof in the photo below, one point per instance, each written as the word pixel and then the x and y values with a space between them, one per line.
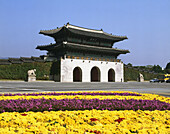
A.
pixel 37 59
pixel 15 60
pixel 46 47
pixel 26 59
pixel 83 31
pixel 96 48
pixel 84 47
pixel 4 62
pixel 20 60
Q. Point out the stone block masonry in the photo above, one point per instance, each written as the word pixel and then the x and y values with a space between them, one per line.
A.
pixel 86 68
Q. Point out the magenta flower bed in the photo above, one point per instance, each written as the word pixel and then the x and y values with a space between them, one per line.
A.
pixel 83 93
pixel 83 104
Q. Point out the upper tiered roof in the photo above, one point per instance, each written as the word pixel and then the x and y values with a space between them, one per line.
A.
pixel 68 28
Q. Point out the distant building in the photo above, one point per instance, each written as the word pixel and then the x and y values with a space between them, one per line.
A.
pixel 84 55
pixel 20 60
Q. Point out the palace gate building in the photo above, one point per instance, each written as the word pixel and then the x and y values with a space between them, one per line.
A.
pixel 84 55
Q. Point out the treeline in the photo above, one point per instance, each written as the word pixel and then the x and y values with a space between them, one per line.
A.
pixel 152 68
pixel 19 71
pixel 130 74
pixel 167 69
pixel 149 71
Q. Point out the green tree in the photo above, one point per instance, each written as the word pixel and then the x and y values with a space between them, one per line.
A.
pixel 149 66
pixel 157 69
pixel 168 66
pixel 167 69
pixel 129 64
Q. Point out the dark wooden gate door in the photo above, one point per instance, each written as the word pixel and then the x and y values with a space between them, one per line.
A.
pixel 95 74
pixel 77 75
pixel 111 75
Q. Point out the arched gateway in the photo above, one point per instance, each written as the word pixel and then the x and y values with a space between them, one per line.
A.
pixel 95 74
pixel 77 74
pixel 83 55
pixel 111 75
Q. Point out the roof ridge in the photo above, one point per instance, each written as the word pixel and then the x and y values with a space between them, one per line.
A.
pixel 83 28
pixel 24 57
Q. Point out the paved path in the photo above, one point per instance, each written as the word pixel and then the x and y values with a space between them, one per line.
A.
pixel 42 86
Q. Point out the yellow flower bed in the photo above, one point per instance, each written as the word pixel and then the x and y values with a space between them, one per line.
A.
pixel 88 121
pixel 101 97
pixel 78 122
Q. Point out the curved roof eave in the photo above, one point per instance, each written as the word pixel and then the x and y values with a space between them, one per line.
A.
pixel 84 31
pixel 50 32
pixel 80 46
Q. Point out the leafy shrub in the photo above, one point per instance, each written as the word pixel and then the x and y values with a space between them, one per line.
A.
pixel 132 75
pixel 19 71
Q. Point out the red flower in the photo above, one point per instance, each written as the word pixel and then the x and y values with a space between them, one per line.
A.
pixel 95 131
pixel 24 114
pixel 120 119
pixel 94 119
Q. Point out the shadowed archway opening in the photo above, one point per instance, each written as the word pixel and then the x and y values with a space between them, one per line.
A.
pixel 77 74
pixel 95 74
pixel 111 75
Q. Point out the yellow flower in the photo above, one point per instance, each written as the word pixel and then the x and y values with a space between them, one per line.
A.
pixel 75 122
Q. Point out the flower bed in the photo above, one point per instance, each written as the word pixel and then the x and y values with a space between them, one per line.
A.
pixel 84 113
pixel 40 105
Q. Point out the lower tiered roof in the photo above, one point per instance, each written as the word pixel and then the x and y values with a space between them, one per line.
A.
pixel 81 47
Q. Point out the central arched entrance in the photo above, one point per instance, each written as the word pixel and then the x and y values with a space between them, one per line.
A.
pixel 77 74
pixel 95 74
pixel 111 75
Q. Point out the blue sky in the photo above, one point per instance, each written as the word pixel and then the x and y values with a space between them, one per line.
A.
pixel 146 23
